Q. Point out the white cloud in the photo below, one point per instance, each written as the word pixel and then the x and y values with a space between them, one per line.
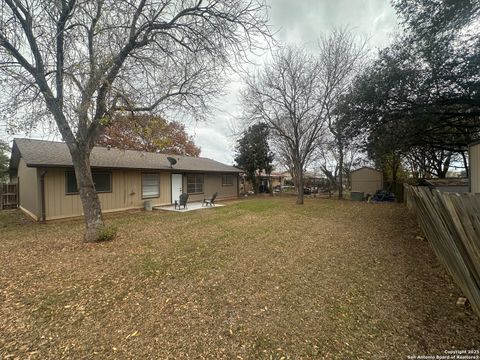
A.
pixel 215 144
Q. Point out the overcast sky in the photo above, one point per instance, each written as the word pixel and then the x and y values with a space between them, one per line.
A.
pixel 298 22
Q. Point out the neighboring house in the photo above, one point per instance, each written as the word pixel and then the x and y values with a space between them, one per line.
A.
pixel 309 178
pixel 366 180
pixel 264 182
pixel 124 179
pixel 474 159
pixel 314 179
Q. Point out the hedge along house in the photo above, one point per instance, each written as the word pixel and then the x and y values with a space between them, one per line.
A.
pixel 124 179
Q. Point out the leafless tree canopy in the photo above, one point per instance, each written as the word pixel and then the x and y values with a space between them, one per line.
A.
pixel 296 95
pixel 90 58
pixel 290 95
pixel 342 56
pixel 80 61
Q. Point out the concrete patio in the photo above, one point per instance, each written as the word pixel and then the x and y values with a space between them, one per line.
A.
pixel 190 207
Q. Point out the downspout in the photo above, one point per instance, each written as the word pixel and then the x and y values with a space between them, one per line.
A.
pixel 43 214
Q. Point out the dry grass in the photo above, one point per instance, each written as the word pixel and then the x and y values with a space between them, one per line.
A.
pixel 255 279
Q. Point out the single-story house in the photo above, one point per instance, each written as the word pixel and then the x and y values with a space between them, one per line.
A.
pixel 310 178
pixel 264 181
pixel 366 180
pixel 474 159
pixel 124 179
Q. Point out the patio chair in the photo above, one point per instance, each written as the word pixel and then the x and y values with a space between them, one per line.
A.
pixel 210 201
pixel 182 201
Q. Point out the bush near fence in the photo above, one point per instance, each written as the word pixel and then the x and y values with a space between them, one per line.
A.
pixel 451 222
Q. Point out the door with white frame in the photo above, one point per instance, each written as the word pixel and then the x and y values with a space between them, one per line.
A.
pixel 177 186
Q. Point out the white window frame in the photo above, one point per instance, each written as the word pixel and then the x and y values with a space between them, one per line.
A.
pixel 227 176
pixel 196 183
pixel 151 195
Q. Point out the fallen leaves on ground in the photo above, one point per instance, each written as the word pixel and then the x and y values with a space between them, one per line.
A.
pixel 261 278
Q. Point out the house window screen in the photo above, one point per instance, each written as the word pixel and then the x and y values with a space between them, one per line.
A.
pixel 227 180
pixel 101 180
pixel 71 183
pixel 194 184
pixel 150 185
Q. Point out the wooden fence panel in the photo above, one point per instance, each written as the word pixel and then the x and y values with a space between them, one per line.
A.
pixel 451 222
pixel 8 196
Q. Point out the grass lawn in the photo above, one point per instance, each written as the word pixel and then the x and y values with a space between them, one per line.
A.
pixel 260 278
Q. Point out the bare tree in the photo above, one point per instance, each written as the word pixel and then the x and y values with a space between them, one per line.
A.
pixel 425 161
pixel 297 95
pixel 335 169
pixel 282 155
pixel 81 61
pixel 290 95
pixel 341 57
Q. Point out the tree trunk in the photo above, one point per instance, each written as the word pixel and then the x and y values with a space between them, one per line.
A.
pixel 340 173
pixel 270 187
pixel 445 167
pixel 90 201
pixel 300 186
pixel 394 173
pixel 465 164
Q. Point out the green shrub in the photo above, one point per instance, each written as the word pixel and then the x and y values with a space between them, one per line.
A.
pixel 107 233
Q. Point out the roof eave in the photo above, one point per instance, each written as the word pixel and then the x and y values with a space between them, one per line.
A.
pixel 366 167
pixel 15 157
pixel 63 166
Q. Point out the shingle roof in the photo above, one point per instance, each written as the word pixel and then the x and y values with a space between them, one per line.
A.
pixel 365 167
pixel 41 153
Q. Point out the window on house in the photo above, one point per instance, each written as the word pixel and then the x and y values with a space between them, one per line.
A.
pixel 194 184
pixel 150 185
pixel 227 180
pixel 71 183
pixel 101 180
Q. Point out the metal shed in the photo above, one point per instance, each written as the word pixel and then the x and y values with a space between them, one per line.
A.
pixel 366 180
pixel 474 159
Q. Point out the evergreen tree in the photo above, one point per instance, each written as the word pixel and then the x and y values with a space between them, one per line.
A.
pixel 253 152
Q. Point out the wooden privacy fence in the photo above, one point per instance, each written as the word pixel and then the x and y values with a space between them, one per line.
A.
pixel 451 222
pixel 8 196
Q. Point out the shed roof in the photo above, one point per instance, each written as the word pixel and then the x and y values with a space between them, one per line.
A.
pixel 41 153
pixel 367 168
